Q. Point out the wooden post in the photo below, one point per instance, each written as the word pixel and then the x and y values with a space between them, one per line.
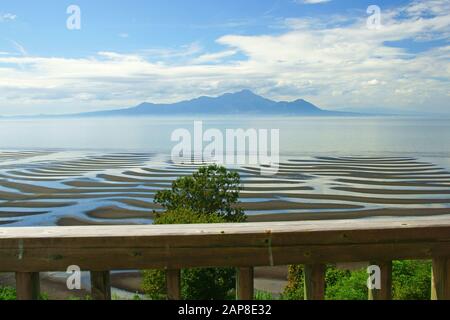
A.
pixel 100 285
pixel 314 281
pixel 440 286
pixel 173 283
pixel 245 284
pixel 27 285
pixel 385 293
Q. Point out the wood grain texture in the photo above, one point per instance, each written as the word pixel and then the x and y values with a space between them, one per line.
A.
pixel 225 245
pixel 27 285
pixel 385 293
pixel 245 288
pixel 100 285
pixel 173 283
pixel 315 281
pixel 440 288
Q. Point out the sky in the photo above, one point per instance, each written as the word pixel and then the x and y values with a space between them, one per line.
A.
pixel 336 54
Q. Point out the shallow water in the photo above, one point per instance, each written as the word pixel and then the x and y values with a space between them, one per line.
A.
pixel 111 188
pixel 369 136
pixel 106 171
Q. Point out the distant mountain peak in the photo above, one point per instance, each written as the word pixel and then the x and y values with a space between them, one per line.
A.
pixel 244 102
pixel 242 93
pixel 245 92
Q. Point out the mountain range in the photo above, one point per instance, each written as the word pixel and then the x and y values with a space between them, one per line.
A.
pixel 240 103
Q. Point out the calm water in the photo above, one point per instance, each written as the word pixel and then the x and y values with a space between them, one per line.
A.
pixel 304 136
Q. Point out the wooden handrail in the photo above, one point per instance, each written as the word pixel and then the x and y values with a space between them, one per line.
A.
pixel 28 251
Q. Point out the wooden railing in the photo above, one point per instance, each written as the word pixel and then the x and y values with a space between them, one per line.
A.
pixel 28 251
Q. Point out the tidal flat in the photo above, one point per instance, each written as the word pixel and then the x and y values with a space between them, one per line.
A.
pixel 46 188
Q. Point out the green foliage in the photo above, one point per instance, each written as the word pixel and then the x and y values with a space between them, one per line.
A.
pixel 208 284
pixel 43 296
pixel 74 298
pixel 186 216
pixel 211 190
pixel 154 284
pixel 7 293
pixel 264 296
pixel 196 284
pixel 347 285
pixel 295 289
pixel 411 281
pixel 137 297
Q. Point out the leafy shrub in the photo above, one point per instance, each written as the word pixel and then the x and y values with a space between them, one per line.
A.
pixel 7 293
pixel 196 284
pixel 347 285
pixel 264 296
pixel 295 289
pixel 211 190
pixel 412 280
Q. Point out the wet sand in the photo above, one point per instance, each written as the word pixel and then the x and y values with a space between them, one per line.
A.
pixel 120 187
pixel 114 212
pixel 79 222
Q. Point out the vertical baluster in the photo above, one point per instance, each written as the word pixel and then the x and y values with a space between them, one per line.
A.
pixel 385 292
pixel 27 285
pixel 245 284
pixel 173 283
pixel 315 281
pixel 440 288
pixel 100 285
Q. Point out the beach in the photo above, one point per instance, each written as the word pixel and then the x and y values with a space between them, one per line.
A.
pixel 96 188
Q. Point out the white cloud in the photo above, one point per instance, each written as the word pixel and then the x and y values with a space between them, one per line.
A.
pixel 214 57
pixel 7 17
pixel 373 82
pixel 334 63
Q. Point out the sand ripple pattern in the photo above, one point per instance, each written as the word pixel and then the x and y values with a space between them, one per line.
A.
pixel 93 188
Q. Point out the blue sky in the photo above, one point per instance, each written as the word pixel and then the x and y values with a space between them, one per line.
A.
pixel 167 50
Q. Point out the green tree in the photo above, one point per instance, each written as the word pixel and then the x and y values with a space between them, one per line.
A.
pixel 196 284
pixel 211 190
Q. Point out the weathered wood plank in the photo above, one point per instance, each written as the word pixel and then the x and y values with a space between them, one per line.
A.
pixel 314 275
pixel 227 245
pixel 173 284
pixel 241 254
pixel 210 229
pixel 245 284
pixel 27 285
pixel 440 288
pixel 385 292
pixel 100 285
